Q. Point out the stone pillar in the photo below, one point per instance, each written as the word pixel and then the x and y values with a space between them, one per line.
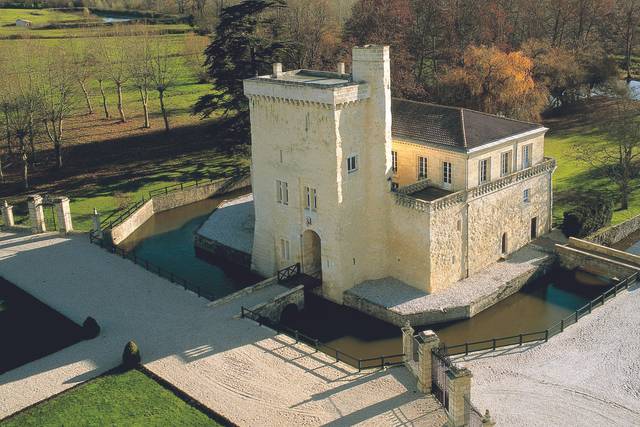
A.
pixel 7 215
pixel 36 214
pixel 63 214
pixel 407 342
pixel 427 341
pixel 459 387
pixel 96 223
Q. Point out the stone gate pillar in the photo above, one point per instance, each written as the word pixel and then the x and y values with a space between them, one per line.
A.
pixel 36 214
pixel 427 341
pixel 7 215
pixel 459 388
pixel 97 230
pixel 407 342
pixel 63 214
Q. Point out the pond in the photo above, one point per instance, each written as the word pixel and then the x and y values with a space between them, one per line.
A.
pixel 113 18
pixel 166 239
pixel 536 307
pixel 30 329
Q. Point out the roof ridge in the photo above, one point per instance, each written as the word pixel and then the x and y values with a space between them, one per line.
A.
pixel 501 117
pixel 449 107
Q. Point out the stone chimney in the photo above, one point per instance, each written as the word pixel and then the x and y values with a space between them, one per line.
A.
pixel 341 68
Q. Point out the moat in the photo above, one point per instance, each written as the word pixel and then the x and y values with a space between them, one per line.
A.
pixel 167 240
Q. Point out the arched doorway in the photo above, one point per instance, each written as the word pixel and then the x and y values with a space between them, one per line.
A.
pixel 311 254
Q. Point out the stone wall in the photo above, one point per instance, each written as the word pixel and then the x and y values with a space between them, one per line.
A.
pixel 210 248
pixel 273 309
pixel 173 200
pixel 611 235
pixel 572 258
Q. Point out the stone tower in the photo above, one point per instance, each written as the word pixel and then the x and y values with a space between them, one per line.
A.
pixel 321 168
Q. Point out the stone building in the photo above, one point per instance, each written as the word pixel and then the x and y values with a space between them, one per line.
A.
pixel 357 186
pixel 24 23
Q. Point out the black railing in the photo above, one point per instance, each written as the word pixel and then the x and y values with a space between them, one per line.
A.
pixel 121 215
pixel 288 273
pixel 338 355
pixel 150 266
pixel 181 186
pixel 544 335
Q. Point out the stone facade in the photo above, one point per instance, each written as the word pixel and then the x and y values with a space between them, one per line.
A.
pixel 308 128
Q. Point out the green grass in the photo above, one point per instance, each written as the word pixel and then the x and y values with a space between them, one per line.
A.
pixel 574 177
pixel 121 399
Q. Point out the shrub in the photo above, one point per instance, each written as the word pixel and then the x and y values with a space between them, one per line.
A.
pixel 587 218
pixel 131 355
pixel 90 328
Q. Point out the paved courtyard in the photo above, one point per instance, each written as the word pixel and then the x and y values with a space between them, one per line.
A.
pixel 587 376
pixel 244 372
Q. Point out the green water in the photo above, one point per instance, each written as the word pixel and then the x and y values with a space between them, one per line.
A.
pixel 166 240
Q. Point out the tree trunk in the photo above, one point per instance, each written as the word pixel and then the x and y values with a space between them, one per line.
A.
pixel 25 162
pixel 8 127
pixel 164 111
pixel 104 100
pixel 86 98
pixel 1 171
pixel 144 98
pixel 32 138
pixel 58 148
pixel 123 119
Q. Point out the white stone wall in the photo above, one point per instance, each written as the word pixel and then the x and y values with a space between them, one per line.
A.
pixel 447 246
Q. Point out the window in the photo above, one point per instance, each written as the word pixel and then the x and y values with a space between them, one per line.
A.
pixel 284 249
pixel 505 163
pixel 311 198
pixel 483 173
pixel 394 161
pixel 526 156
pixel 422 167
pixel 446 172
pixel 281 157
pixel 352 163
pixel 282 192
pixel 525 196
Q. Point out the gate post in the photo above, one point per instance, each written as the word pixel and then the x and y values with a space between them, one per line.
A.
pixel 36 214
pixel 63 213
pixel 96 223
pixel 407 342
pixel 427 341
pixel 7 215
pixel 459 389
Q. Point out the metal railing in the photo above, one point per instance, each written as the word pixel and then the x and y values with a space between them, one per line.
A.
pixel 289 273
pixel 122 214
pixel 338 355
pixel 150 266
pixel 543 335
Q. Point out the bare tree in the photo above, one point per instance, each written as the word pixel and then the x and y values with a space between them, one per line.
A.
pixel 165 73
pixel 141 70
pixel 115 52
pixel 618 160
pixel 100 72
pixel 56 95
pixel 84 63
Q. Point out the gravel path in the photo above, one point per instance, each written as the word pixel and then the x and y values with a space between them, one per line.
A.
pixel 589 375
pixel 244 372
pixel 232 224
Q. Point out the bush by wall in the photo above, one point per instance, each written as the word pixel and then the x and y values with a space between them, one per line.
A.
pixel 590 216
pixel 131 355
pixel 90 328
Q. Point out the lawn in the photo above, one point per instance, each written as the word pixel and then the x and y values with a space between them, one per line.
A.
pixel 118 399
pixel 573 177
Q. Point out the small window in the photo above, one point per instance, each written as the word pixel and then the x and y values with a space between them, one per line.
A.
pixel 281 157
pixel 525 195
pixel 282 192
pixel 284 249
pixel 394 161
pixel 483 173
pixel 446 172
pixel 526 156
pixel 422 167
pixel 505 163
pixel 311 198
pixel 352 163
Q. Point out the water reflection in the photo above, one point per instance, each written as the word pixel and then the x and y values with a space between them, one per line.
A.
pixel 166 239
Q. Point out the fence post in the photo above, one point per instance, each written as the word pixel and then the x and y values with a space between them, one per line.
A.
pixel 494 344
pixel 546 335
pixel 590 306
pixel 520 343
pixel 7 215
pixel 407 342
pixel 562 325
pixel 576 316
pixel 427 342
pixel 242 312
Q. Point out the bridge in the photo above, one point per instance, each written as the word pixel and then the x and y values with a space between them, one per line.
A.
pixel 597 259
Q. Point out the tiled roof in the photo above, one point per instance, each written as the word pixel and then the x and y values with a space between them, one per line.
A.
pixel 451 126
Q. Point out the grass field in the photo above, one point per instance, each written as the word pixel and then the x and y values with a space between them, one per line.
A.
pixel 574 178
pixel 120 399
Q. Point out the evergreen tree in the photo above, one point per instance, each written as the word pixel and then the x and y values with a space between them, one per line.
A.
pixel 244 46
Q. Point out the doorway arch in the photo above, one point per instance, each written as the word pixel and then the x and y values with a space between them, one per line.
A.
pixel 311 254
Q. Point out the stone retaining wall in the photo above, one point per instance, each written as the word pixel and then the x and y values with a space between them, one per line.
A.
pixel 611 235
pixel 273 309
pixel 246 291
pixel 216 250
pixel 572 258
pixel 173 200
